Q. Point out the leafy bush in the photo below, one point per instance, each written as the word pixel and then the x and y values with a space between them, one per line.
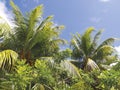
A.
pixel 43 74
pixel 109 79
pixel 20 78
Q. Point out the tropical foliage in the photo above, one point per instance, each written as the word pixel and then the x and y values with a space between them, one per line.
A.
pixel 86 48
pixel 33 36
pixel 31 58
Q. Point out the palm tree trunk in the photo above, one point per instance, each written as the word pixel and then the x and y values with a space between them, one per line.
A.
pixel 28 57
pixel 85 60
pixel 22 54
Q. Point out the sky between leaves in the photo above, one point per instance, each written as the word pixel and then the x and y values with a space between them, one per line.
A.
pixel 76 15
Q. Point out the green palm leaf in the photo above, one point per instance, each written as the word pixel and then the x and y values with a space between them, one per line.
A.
pixel 86 46
pixel 108 41
pixel 7 59
pixel 32 34
pixel 44 22
pixel 71 68
pixel 34 16
pixel 86 40
pixel 95 40
pixel 104 51
pixel 18 15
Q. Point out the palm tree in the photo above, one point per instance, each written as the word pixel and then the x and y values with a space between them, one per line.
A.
pixel 32 35
pixel 86 48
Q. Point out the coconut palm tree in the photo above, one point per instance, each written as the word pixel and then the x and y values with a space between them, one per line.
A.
pixel 32 35
pixel 87 48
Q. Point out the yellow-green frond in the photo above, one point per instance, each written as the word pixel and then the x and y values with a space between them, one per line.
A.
pixel 18 15
pixel 91 65
pixel 34 17
pixel 7 59
pixel 71 68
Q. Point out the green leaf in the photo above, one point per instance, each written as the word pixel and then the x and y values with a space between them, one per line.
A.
pixel 91 65
pixel 38 86
pixel 71 68
pixel 7 59
pixel 34 16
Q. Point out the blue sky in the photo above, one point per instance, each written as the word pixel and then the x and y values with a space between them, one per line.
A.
pixel 77 15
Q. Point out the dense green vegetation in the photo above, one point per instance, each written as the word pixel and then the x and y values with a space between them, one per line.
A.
pixel 31 58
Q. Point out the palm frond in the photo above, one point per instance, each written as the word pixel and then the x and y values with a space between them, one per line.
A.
pixel 104 51
pixel 91 65
pixel 56 42
pixel 86 40
pixel 39 33
pixel 7 59
pixel 44 22
pixel 71 68
pixel 108 41
pixel 18 15
pixel 96 38
pixel 75 44
pixel 78 52
pixel 34 16
pixel 94 43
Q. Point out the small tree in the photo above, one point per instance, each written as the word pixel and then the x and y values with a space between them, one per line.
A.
pixel 32 35
pixel 88 49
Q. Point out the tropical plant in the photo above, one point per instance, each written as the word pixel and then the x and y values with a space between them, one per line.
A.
pixel 62 55
pixel 81 86
pixel 5 29
pixel 19 78
pixel 116 66
pixel 26 77
pixel 38 86
pixel 71 68
pixel 44 74
pixel 109 80
pixel 86 48
pixel 7 59
pixel 32 35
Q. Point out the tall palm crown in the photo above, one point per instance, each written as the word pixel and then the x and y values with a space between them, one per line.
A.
pixel 33 37
pixel 86 47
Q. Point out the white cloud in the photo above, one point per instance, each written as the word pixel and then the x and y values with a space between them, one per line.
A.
pixel 104 0
pixel 95 19
pixel 5 14
pixel 117 48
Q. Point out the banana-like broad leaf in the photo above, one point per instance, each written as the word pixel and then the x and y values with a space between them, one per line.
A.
pixel 91 65
pixel 71 68
pixel 7 59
